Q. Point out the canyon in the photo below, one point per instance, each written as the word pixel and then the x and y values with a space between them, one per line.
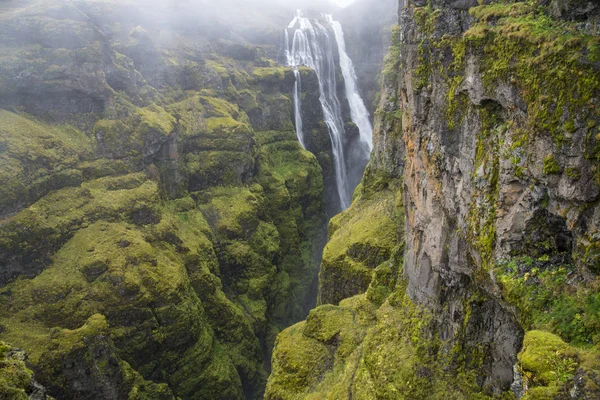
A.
pixel 189 209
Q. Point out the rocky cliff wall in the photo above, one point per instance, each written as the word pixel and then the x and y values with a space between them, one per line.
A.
pixel 477 276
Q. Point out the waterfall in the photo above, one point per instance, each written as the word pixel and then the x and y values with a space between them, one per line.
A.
pixel 312 46
pixel 358 110
pixel 298 107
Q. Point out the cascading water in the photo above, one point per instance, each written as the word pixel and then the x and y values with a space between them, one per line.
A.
pixel 312 46
pixel 358 110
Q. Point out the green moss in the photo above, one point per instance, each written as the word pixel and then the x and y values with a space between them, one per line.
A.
pixel 573 173
pixel 190 113
pixel 130 135
pixel 36 157
pixel 548 360
pixel 551 166
pixel 232 210
pixel 422 71
pixel 545 56
pixel 42 228
pixel 102 168
pixel 272 74
pixel 218 68
pixel 392 58
pixel 549 364
pixel 482 213
pixel 15 377
pixel 155 119
pixel 384 353
pixel 329 340
pixel 548 300
pixel 123 272
pixel 360 239
pixel 501 10
pixel 302 362
pixel 293 187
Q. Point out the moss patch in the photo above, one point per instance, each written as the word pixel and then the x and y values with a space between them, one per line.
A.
pixel 36 158
pixel 360 239
pixel 15 377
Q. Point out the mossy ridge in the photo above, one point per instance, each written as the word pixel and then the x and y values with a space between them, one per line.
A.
pixel 216 140
pixel 310 357
pixel 108 198
pixel 135 132
pixel 154 280
pixel 293 184
pixel 95 354
pixel 362 238
pixel 269 74
pixel 357 350
pixel 258 224
pixel 42 228
pixel 36 158
pixel 550 367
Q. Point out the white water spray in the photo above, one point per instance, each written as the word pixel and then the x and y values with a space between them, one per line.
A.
pixel 312 47
pixel 358 110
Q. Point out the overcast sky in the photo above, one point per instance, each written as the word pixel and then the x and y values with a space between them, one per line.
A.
pixel 343 3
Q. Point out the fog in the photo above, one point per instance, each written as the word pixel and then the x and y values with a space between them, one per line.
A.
pixel 239 15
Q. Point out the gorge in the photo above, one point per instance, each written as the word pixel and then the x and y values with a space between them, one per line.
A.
pixel 182 182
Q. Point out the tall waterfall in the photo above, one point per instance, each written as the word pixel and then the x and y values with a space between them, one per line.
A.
pixel 312 45
pixel 360 115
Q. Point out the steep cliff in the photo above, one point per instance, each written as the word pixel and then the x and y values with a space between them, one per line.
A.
pixel 159 222
pixel 467 265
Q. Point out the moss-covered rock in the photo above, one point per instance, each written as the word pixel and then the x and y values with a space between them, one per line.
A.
pixel 165 298
pixel 553 369
pixel 154 245
pixel 15 377
pixel 361 239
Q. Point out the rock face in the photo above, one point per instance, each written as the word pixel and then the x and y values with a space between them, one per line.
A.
pixel 467 265
pixel 159 222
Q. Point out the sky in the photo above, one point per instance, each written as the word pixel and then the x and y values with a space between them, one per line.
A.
pixel 342 3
